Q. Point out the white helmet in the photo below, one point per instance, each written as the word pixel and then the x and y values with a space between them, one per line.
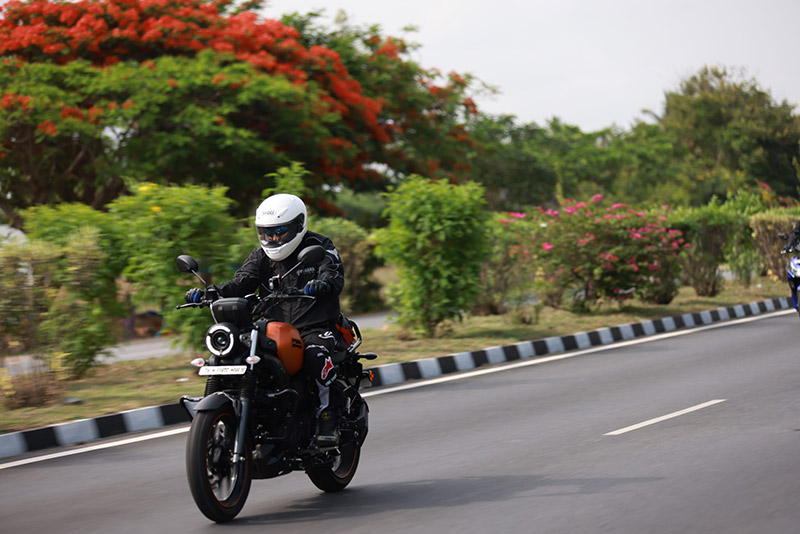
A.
pixel 281 222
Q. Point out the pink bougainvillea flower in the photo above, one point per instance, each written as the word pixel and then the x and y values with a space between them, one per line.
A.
pixel 597 198
pixel 518 215
pixel 547 246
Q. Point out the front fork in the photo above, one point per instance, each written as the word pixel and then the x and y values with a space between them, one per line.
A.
pixel 793 287
pixel 246 398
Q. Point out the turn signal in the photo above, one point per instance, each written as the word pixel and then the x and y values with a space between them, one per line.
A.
pixel 198 362
pixel 252 360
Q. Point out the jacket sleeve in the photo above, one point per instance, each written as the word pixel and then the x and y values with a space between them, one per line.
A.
pixel 331 270
pixel 794 237
pixel 246 279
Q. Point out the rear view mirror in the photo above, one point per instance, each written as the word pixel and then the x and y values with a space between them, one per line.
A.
pixel 311 255
pixel 186 264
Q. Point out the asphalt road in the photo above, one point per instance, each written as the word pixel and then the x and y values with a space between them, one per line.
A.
pixel 693 433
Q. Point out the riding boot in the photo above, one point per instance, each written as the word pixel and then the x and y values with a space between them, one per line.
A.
pixel 327 428
pixel 328 417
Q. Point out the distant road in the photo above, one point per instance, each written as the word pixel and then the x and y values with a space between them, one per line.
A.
pixel 698 433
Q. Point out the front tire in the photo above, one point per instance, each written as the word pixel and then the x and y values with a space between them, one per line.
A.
pixel 219 486
pixel 337 477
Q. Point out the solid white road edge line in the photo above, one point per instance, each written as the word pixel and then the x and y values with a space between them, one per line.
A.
pixel 423 383
pixel 91 448
pixel 525 363
pixel 664 417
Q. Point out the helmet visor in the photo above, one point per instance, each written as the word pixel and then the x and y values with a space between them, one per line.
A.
pixel 276 236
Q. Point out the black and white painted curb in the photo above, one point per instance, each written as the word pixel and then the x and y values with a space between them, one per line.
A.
pixel 155 417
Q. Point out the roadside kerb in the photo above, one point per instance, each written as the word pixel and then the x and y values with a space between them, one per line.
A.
pixel 154 417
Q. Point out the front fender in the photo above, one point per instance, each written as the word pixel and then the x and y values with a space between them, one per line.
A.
pixel 209 403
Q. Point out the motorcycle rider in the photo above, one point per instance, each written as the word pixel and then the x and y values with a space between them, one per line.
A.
pixel 794 238
pixel 282 224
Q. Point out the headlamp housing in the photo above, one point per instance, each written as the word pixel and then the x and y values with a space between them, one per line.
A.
pixel 222 339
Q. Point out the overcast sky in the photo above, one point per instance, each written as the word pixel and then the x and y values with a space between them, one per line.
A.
pixel 592 63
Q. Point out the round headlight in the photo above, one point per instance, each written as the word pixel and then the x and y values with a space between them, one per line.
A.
pixel 221 339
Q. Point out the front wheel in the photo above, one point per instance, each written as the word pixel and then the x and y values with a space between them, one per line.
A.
pixel 219 486
pixel 338 476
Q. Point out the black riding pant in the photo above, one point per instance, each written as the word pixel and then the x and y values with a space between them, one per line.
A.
pixel 320 346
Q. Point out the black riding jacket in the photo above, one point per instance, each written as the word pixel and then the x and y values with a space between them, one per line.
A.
pixel 303 314
pixel 794 237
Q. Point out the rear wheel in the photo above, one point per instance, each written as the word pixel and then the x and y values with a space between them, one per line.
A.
pixel 219 486
pixel 338 476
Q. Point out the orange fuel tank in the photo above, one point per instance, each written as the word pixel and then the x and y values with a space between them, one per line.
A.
pixel 290 345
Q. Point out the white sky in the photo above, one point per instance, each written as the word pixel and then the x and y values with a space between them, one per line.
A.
pixel 592 63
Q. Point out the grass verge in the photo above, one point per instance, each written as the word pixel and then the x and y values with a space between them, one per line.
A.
pixel 135 384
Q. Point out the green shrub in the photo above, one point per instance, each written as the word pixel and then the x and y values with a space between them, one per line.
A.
pixel 508 274
pixel 58 224
pixel 437 239
pixel 55 306
pixel 766 226
pixel 365 208
pixel 356 250
pixel 710 230
pixel 741 255
pixel 27 273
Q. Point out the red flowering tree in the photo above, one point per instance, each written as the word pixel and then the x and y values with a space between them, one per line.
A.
pixel 423 110
pixel 206 92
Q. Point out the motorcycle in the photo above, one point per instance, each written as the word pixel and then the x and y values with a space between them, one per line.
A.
pixel 256 418
pixel 792 270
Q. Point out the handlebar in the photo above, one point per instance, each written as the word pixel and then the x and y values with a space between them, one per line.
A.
pixel 287 293
pixel 202 304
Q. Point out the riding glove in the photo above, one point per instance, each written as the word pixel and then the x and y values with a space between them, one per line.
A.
pixel 194 295
pixel 317 288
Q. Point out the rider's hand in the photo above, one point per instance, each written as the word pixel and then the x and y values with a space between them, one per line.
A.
pixel 317 288
pixel 194 295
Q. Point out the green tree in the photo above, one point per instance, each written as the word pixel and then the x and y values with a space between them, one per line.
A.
pixel 648 167
pixel 584 162
pixel 437 238
pixel 729 133
pixel 508 161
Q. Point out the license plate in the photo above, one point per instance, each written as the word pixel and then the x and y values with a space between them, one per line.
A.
pixel 223 370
